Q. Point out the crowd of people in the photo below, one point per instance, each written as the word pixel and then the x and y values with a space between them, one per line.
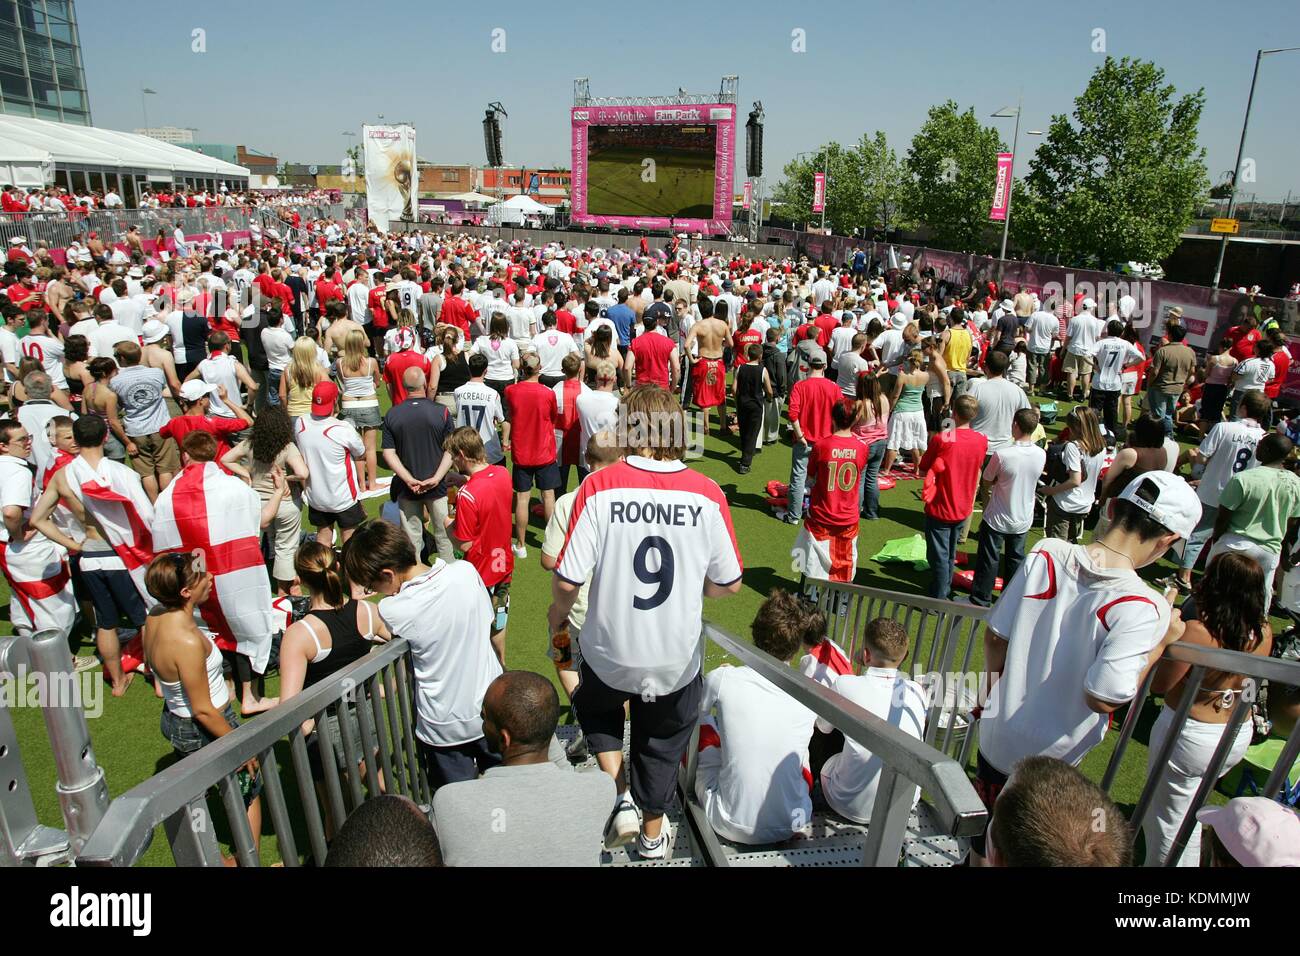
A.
pixel 172 411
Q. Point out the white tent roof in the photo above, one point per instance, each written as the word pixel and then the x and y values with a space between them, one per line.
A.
pixel 471 197
pixel 528 204
pixel 24 140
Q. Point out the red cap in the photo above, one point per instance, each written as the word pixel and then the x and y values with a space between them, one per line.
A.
pixel 323 397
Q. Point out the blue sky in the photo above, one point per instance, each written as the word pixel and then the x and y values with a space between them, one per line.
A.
pixel 289 77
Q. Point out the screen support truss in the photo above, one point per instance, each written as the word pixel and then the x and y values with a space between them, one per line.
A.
pixel 728 92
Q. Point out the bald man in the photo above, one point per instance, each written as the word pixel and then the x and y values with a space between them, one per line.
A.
pixel 413 436
pixel 531 810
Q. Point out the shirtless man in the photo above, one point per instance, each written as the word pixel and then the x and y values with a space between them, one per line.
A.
pixel 132 241
pixel 113 591
pixel 709 372
pixel 340 325
pixel 98 253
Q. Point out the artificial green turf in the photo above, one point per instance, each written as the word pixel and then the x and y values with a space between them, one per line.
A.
pixel 130 747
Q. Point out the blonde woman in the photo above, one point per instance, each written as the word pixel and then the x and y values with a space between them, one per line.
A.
pixel 358 375
pixel 300 377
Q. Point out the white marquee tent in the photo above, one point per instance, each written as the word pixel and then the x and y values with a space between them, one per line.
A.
pixel 33 151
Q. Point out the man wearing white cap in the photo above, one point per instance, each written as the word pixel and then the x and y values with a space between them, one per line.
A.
pixel 1075 631
pixel 1080 346
pixel 158 354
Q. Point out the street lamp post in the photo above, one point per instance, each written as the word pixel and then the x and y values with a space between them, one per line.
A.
pixel 826 176
pixel 1241 148
pixel 1005 113
pixel 144 107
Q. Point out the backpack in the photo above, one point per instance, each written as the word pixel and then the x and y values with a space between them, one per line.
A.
pixel 1055 467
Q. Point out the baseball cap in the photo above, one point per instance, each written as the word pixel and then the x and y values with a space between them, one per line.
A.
pixel 153 331
pixel 323 397
pixel 817 358
pixel 195 389
pixel 1256 831
pixel 1089 304
pixel 1176 505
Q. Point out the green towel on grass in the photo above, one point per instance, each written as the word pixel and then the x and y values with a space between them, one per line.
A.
pixel 905 549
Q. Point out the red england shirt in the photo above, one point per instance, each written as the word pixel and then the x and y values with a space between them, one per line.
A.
pixel 396 365
pixel 835 466
pixel 956 458
pixel 483 519
pixel 532 411
pixel 652 352
pixel 378 315
pixel 811 402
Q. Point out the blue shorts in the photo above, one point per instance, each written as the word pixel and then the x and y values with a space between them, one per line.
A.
pixel 114 596
pixel 545 477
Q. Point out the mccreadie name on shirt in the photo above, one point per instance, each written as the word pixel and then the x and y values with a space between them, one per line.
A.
pixel 634 512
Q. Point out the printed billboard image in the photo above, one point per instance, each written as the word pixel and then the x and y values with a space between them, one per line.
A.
pixel 390 169
pixel 652 170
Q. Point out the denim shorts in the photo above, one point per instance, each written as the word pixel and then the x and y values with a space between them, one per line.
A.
pixel 187 736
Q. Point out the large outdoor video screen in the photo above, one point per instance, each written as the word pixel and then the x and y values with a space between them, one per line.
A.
pixel 654 166
pixel 647 170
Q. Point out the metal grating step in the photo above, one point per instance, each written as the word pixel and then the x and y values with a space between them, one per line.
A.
pixel 828 840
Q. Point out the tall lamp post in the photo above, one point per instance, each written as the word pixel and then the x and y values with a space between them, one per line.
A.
pixel 1241 148
pixel 1006 113
pixel 144 106
pixel 826 175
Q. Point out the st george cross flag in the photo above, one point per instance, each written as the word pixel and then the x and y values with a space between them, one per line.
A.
pixel 113 495
pixel 40 589
pixel 207 511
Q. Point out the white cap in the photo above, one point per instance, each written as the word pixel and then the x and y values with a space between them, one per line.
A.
pixel 1176 507
pixel 135 272
pixel 195 389
pixel 17 241
pixel 1089 304
pixel 154 331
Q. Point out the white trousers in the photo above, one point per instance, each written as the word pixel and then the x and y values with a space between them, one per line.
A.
pixel 1268 560
pixel 1188 763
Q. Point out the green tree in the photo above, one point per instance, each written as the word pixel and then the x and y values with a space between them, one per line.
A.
pixel 951 167
pixel 864 185
pixel 1121 178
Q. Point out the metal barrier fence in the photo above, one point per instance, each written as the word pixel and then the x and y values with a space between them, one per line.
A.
pixel 906 764
pixel 371 700
pixel 945 633
pixel 111 225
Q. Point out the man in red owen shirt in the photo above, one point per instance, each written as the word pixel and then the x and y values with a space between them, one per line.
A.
pixel 531 412
pixel 480 528
pixel 397 364
pixel 827 545
pixel 652 356
pixel 811 401
pixel 952 466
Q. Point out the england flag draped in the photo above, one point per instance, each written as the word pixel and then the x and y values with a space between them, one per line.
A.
pixel 208 511
pixel 113 495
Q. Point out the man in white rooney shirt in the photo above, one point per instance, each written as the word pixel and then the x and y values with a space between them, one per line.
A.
pixel 655 538
pixel 1074 633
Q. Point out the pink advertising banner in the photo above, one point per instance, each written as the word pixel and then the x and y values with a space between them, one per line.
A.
pixel 721 115
pixel 1002 188
pixel 749 193
pixel 819 192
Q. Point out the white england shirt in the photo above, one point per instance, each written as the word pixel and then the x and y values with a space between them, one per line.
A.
pixel 49 352
pixel 1072 628
pixel 552 346
pixel 478 406
pixel 445 614
pixel 1112 354
pixel 329 445
pixel 408 296
pixel 1230 448
pixel 648 533
pixel 850 777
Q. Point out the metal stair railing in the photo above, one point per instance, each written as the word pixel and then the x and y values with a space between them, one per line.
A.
pixel 373 701
pixel 907 763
